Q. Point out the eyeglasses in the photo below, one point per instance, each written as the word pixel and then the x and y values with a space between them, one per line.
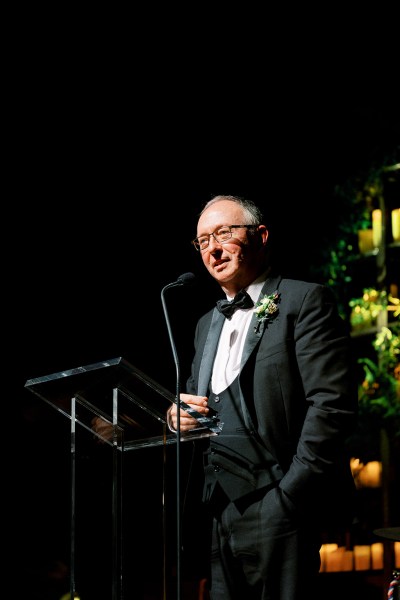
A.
pixel 220 235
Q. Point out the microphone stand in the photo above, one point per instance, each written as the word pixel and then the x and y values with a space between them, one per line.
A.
pixel 178 441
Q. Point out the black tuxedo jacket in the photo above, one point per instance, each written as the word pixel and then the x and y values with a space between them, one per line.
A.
pixel 297 391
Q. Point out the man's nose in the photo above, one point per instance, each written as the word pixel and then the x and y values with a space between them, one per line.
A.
pixel 213 242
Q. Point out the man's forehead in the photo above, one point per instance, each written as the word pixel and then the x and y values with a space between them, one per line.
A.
pixel 221 213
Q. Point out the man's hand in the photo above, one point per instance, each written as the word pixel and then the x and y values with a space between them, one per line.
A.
pixel 102 428
pixel 198 403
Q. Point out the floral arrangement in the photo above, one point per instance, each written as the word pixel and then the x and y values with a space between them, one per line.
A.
pixel 379 393
pixel 266 308
pixel 379 377
pixel 365 310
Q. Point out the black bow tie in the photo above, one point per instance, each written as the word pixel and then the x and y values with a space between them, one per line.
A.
pixel 228 307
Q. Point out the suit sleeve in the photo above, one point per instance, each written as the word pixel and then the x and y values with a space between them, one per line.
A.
pixel 322 348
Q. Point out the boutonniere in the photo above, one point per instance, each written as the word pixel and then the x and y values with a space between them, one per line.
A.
pixel 266 308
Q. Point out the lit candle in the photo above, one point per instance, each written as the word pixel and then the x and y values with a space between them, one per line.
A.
pixel 371 475
pixel 348 560
pixel 397 555
pixel 396 224
pixel 324 551
pixel 362 556
pixel 377 227
pixel 334 560
pixel 365 243
pixel 377 555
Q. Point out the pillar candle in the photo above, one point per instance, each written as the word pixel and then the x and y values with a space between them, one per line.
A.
pixel 348 560
pixel 365 243
pixel 362 557
pixel 377 555
pixel 397 555
pixel 396 224
pixel 324 551
pixel 334 560
pixel 337 559
pixel 377 227
pixel 371 475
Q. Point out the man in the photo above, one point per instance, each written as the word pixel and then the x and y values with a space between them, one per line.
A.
pixel 276 374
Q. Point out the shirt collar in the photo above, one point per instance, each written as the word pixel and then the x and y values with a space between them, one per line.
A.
pixel 254 289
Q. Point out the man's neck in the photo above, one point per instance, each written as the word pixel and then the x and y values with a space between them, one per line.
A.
pixel 231 291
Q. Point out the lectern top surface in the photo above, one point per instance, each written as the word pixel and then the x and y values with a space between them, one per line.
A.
pixel 121 394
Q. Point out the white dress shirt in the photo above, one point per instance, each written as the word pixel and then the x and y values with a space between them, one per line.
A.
pixel 231 341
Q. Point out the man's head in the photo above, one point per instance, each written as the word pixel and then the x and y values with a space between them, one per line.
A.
pixel 231 239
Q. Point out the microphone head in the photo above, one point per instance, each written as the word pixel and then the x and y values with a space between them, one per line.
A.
pixel 186 279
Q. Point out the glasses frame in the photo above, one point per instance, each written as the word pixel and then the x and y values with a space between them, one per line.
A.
pixel 195 242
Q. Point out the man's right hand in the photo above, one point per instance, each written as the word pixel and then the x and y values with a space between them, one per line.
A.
pixel 198 403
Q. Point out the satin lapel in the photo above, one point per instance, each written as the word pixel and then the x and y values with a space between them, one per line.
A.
pixel 209 351
pixel 252 337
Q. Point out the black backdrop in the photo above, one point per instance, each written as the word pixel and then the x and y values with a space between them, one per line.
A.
pixel 101 219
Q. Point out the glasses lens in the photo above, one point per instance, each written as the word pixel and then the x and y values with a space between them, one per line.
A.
pixel 202 242
pixel 220 235
pixel 223 234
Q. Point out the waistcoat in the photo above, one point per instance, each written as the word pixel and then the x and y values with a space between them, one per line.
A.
pixel 236 459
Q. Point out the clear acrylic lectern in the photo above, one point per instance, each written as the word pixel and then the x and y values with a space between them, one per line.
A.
pixel 132 408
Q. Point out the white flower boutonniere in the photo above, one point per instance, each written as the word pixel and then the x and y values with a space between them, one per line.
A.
pixel 266 308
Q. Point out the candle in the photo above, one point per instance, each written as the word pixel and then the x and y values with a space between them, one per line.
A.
pixel 377 555
pixel 396 224
pixel 338 559
pixel 324 551
pixel 397 555
pixel 365 243
pixel 347 560
pixel 376 227
pixel 370 475
pixel 362 558
pixel 334 560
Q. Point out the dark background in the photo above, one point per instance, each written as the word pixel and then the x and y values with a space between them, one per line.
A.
pixel 103 230
pixel 102 223
pixel 115 144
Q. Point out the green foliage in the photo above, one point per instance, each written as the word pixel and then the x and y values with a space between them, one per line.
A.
pixel 379 378
pixel 365 310
pixel 352 201
pixel 379 393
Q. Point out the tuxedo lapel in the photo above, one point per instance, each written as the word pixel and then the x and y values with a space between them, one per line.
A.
pixel 252 339
pixel 254 334
pixel 209 351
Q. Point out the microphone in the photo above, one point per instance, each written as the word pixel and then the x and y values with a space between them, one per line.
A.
pixel 185 279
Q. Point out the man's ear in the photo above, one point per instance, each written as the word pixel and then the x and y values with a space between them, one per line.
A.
pixel 263 233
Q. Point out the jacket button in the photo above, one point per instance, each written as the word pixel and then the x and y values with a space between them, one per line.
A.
pixel 216 399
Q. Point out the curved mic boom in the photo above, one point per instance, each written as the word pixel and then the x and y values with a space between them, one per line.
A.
pixel 184 279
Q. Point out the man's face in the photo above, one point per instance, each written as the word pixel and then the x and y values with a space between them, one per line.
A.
pixel 236 261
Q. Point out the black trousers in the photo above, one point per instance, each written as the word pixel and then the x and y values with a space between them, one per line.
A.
pixel 263 550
